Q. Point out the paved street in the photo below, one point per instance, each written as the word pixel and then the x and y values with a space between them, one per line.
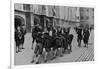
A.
pixel 77 54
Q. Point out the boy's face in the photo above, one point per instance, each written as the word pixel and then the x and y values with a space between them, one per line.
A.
pixel 18 28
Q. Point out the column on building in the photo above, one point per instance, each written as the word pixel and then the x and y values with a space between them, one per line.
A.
pixel 56 16
pixel 61 12
pixel 32 16
pixel 36 14
pixel 91 16
pixel 28 17
pixel 66 13
pixel 83 16
pixel 77 14
pixel 69 14
pixel 42 13
pixel 49 14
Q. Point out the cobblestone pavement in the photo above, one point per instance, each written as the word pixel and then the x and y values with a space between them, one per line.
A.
pixel 77 55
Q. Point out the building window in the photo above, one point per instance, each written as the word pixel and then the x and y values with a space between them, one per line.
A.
pixel 82 17
pixel 93 9
pixel 87 10
pixel 26 6
pixel 78 17
pixel 87 17
pixel 82 10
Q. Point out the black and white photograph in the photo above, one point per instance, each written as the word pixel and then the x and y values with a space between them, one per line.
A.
pixel 46 34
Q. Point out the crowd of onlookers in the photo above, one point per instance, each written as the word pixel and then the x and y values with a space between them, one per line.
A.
pixel 51 39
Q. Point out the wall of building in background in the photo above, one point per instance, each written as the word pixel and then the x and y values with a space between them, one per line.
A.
pixel 66 13
pixel 84 15
pixel 18 6
pixel 56 15
pixel 91 16
pixel 62 15
pixel 87 16
pixel 73 14
pixel 50 11
pixel 56 11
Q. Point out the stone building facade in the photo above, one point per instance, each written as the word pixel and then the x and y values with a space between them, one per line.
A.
pixel 87 16
pixel 51 15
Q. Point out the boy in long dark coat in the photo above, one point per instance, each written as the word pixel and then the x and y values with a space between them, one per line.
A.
pixel 79 36
pixel 86 35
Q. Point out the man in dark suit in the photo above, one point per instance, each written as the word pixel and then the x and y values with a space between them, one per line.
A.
pixel 79 35
pixel 86 35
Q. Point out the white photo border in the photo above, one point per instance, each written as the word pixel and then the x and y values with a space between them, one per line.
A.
pixel 44 2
